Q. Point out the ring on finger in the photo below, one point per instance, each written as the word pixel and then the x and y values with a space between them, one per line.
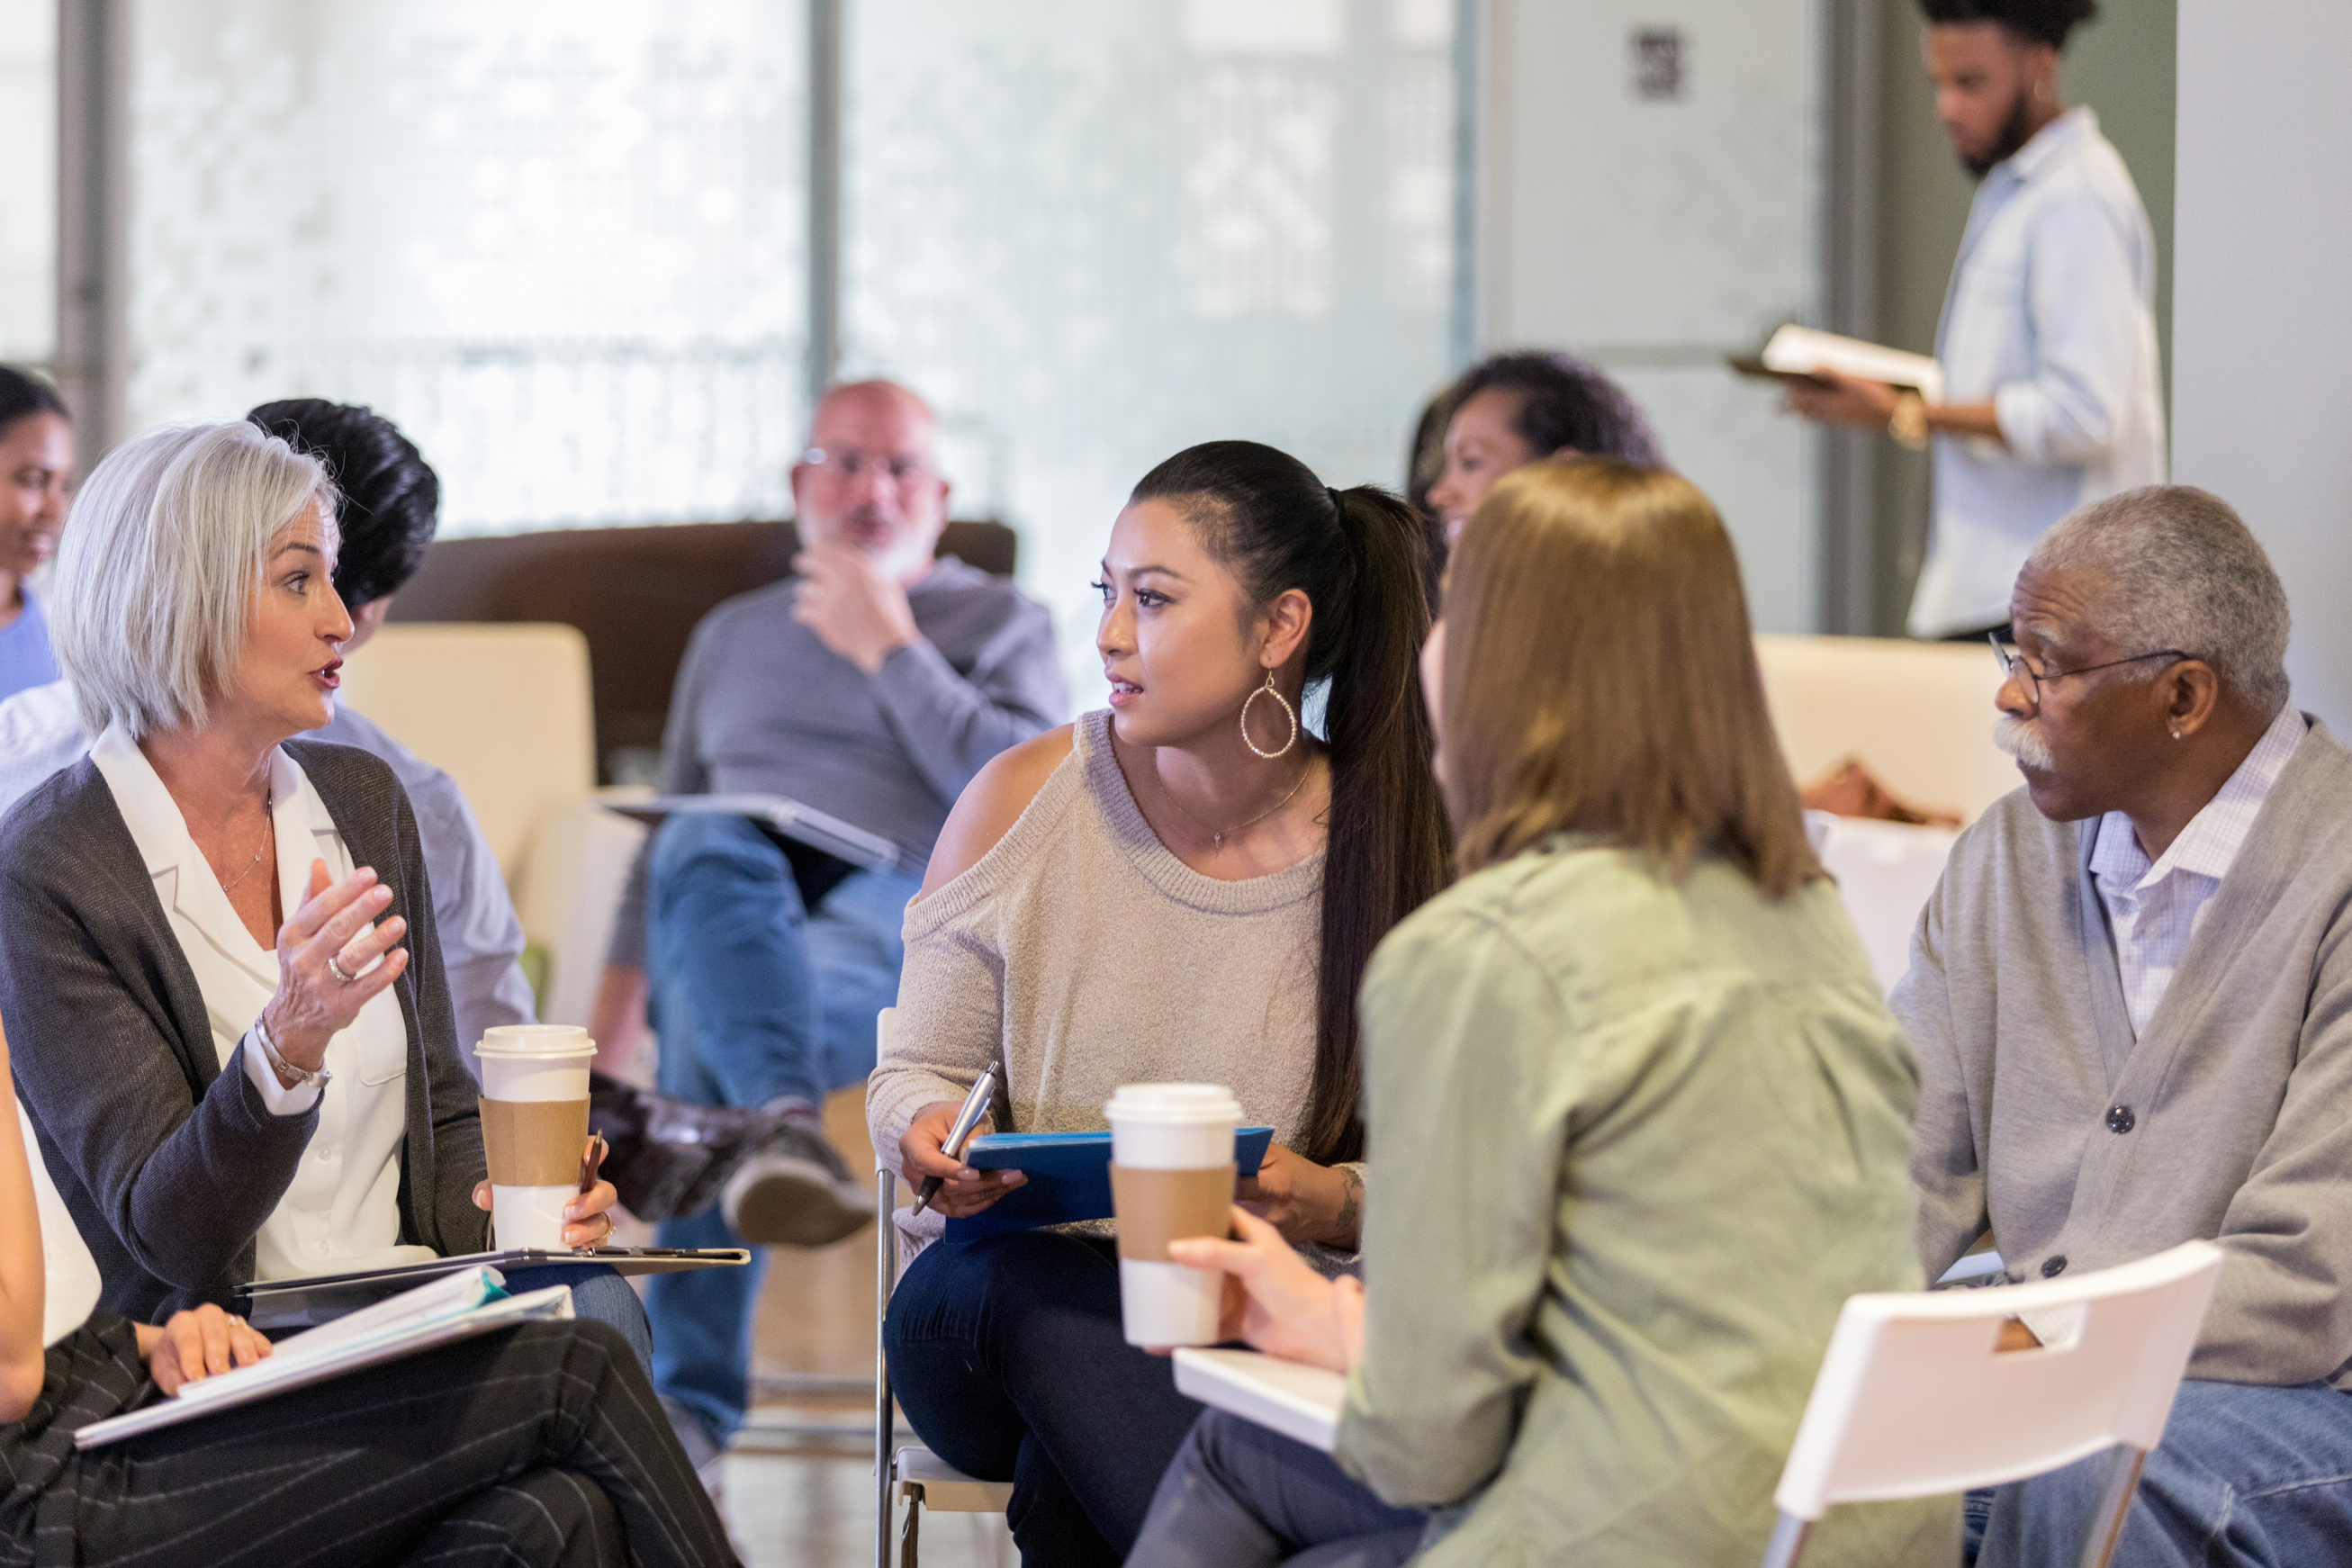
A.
pixel 337 970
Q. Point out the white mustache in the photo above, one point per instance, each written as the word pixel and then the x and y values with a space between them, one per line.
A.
pixel 2022 738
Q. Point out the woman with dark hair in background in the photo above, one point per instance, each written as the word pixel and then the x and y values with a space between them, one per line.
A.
pixel 1512 409
pixel 1187 886
pixel 37 457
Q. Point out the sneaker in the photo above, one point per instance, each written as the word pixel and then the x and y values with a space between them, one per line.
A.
pixel 669 1160
pixel 796 1190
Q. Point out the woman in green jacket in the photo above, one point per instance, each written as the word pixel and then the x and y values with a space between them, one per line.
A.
pixel 1643 1119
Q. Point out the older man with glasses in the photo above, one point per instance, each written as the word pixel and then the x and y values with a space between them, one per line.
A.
pixel 871 687
pixel 2131 997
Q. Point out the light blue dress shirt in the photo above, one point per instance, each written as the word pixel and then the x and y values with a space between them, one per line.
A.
pixel 2050 316
pixel 481 937
pixel 25 657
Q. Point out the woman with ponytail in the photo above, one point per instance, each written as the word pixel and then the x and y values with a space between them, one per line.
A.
pixel 1187 886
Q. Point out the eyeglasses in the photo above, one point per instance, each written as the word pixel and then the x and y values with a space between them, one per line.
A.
pixel 853 465
pixel 2014 668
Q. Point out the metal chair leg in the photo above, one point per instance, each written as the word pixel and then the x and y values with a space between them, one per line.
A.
pixel 2115 1503
pixel 911 1544
pixel 1788 1542
pixel 886 1260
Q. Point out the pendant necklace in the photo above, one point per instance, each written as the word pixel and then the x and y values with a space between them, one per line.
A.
pixel 267 804
pixel 1217 836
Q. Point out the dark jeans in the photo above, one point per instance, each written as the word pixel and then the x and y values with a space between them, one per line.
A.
pixel 1239 1495
pixel 2246 1477
pixel 754 997
pixel 1007 1354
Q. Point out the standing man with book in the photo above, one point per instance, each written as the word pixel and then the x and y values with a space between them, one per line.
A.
pixel 871 687
pixel 2048 341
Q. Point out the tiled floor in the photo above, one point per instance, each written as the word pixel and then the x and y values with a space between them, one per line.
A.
pixel 799 1489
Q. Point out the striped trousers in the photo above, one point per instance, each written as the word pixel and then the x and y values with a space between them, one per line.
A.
pixel 539 1445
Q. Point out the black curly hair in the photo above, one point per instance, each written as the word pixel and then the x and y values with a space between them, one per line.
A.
pixel 391 496
pixel 2038 21
pixel 1564 402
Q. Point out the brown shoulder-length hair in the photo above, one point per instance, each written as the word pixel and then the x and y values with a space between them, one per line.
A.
pixel 1599 677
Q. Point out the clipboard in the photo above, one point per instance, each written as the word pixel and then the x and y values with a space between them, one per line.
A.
pixel 321 1298
pixel 779 813
pixel 1069 1177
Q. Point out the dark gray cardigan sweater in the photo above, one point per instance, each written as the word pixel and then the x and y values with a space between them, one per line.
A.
pixel 167 1158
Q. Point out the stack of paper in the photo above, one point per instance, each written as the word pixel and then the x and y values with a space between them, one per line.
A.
pixel 443 1312
pixel 1801 351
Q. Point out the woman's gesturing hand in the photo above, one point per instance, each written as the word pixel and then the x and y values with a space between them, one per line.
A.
pixel 324 950
pixel 1273 1299
pixel 195 1345
pixel 962 1190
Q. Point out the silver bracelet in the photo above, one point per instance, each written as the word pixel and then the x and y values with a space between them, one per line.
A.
pixel 282 1067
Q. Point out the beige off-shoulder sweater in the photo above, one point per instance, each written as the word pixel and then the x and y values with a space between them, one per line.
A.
pixel 1079 954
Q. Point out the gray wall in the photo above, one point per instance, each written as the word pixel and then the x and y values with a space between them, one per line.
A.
pixel 2122 65
pixel 2260 314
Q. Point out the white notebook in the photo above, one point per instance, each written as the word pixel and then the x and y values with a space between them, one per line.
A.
pixel 1801 351
pixel 1298 1401
pixel 443 1312
pixel 805 824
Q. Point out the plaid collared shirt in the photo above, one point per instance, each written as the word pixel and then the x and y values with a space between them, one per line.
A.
pixel 2153 909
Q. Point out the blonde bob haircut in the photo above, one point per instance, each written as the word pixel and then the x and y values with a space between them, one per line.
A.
pixel 1600 678
pixel 160 561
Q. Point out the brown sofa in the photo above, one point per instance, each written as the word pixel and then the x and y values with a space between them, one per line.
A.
pixel 635 594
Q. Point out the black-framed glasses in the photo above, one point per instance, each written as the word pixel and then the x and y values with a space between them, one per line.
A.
pixel 2014 668
pixel 856 465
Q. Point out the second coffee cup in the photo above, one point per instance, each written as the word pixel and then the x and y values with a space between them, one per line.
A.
pixel 534 1126
pixel 1171 1178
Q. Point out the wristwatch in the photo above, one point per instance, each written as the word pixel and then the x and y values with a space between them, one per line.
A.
pixel 1908 423
pixel 289 1075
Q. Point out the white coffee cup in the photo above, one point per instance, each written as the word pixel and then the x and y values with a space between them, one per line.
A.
pixel 535 1065
pixel 1171 1127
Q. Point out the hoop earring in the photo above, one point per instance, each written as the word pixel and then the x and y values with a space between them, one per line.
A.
pixel 1288 711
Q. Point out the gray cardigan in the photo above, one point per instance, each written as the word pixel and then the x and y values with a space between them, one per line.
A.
pixel 2240 1093
pixel 166 1158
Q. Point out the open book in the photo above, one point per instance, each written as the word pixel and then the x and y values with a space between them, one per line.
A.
pixel 1298 1401
pixel 443 1312
pixel 1800 353
pixel 803 823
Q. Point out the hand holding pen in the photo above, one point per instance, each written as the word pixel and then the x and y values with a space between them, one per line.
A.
pixel 930 1155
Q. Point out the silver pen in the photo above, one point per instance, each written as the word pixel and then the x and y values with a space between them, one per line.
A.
pixel 975 1106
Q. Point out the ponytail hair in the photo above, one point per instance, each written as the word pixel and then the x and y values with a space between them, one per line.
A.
pixel 1361 557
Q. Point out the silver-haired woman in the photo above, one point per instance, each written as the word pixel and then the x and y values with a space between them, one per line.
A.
pixel 217 959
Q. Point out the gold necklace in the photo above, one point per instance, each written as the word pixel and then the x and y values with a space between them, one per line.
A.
pixel 267 802
pixel 1216 837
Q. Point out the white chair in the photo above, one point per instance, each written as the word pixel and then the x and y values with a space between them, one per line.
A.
pixel 1921 715
pixel 505 709
pixel 913 1472
pixel 1917 1396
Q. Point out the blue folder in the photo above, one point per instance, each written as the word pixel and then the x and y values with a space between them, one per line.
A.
pixel 1069 1177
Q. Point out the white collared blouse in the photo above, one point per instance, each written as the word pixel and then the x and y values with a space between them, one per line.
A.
pixel 341 1210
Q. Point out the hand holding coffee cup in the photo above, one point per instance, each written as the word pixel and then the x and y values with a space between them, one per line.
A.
pixel 1171 1178
pixel 328 963
pixel 1274 1301
pixel 535 1139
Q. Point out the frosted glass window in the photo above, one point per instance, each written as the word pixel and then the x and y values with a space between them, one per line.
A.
pixel 1094 234
pixel 561 243
pixel 29 219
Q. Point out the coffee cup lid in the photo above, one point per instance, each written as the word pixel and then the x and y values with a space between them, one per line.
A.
pixel 1174 1102
pixel 542 1040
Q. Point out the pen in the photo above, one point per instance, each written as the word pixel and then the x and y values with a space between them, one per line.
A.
pixel 975 1106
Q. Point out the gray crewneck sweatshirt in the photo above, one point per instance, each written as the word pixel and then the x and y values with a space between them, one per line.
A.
pixel 2228 1119
pixel 764 707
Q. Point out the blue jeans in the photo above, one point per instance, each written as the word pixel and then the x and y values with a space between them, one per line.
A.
pixel 1239 1495
pixel 2245 1476
pixel 754 997
pixel 1009 1359
pixel 597 1293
